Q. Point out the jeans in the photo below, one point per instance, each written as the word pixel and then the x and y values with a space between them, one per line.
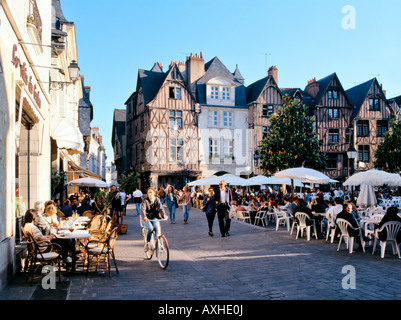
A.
pixel 138 207
pixel 150 225
pixel 186 211
pixel 172 209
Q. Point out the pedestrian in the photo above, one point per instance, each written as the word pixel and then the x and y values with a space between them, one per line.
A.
pixel 223 201
pixel 209 207
pixel 137 195
pixel 186 203
pixel 172 202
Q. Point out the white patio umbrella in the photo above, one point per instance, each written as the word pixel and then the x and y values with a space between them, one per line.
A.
pixel 88 182
pixel 367 197
pixel 303 174
pixel 262 180
pixel 215 180
pixel 375 178
pixel 204 182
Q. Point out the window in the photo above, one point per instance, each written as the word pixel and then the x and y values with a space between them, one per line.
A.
pixel 227 119
pixel 363 128
pixel 175 119
pixel 214 92
pixel 213 148
pixel 264 132
pixel 267 110
pixel 213 119
pixel 382 127
pixel 332 161
pixel 333 113
pixel 334 135
pixel 174 93
pixel 363 153
pixel 142 123
pixel 332 94
pixel 374 104
pixel 226 94
pixel 176 150
pixel 228 149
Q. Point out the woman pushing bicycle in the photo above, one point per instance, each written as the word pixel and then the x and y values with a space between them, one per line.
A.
pixel 151 208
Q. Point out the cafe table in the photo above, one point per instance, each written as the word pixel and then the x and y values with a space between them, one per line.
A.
pixel 73 236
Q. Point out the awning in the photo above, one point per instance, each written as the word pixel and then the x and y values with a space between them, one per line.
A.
pixel 67 135
pixel 86 173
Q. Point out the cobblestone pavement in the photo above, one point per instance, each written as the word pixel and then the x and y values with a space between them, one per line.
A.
pixel 254 263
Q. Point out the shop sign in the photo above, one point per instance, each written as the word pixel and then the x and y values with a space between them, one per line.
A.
pixel 32 88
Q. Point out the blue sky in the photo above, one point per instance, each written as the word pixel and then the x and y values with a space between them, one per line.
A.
pixel 304 39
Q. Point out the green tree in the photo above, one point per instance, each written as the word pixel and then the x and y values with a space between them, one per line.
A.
pixel 129 182
pixel 291 141
pixel 388 153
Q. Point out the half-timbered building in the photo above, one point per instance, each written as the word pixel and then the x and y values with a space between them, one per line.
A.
pixel 161 126
pixel 264 98
pixel 331 109
pixel 371 119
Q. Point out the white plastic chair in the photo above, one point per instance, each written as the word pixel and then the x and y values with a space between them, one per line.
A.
pixel 282 217
pixel 243 216
pixel 302 217
pixel 343 225
pixel 392 229
pixel 261 216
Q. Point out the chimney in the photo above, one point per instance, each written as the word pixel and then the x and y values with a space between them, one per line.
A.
pixel 195 69
pixel 273 71
pixel 182 68
pixel 312 88
pixel 87 91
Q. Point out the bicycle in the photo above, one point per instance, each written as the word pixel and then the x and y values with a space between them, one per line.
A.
pixel 160 246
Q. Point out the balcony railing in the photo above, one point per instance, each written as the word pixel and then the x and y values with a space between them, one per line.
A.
pixel 34 18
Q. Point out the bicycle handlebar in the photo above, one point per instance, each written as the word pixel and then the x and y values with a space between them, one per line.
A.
pixel 153 220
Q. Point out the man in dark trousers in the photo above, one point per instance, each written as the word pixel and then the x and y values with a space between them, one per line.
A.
pixel 223 202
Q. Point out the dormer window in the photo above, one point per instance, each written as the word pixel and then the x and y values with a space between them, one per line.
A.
pixel 214 92
pixel 174 93
pixel 374 104
pixel 332 94
pixel 226 93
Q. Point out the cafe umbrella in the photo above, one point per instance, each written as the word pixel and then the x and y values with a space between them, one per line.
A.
pixel 303 174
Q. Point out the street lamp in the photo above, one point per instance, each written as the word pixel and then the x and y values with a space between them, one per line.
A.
pixel 73 69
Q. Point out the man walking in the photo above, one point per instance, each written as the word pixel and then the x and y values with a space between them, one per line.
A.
pixel 223 202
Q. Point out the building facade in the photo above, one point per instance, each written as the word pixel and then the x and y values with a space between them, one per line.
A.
pixel 40 138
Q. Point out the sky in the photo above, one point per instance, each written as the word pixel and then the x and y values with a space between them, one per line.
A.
pixel 357 39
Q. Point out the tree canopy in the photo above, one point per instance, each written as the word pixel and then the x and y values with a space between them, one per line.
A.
pixel 388 153
pixel 291 141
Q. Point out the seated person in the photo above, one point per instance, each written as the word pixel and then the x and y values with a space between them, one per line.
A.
pixel 254 205
pixel 355 231
pixel 66 208
pixel 391 215
pixel 84 206
pixel 30 228
pixel 301 207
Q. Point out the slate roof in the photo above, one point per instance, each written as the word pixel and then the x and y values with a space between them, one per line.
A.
pixel 357 95
pixel 255 89
pixel 215 68
pixel 119 117
pixel 150 82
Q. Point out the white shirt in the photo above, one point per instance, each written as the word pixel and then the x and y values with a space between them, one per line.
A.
pixel 333 212
pixel 137 194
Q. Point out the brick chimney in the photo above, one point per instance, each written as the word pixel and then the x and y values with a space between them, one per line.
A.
pixel 312 88
pixel 195 69
pixel 273 71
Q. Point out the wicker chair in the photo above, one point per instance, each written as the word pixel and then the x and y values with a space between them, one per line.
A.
pixel 40 254
pixel 102 247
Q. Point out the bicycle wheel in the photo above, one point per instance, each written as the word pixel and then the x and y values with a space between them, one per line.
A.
pixel 148 249
pixel 162 252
